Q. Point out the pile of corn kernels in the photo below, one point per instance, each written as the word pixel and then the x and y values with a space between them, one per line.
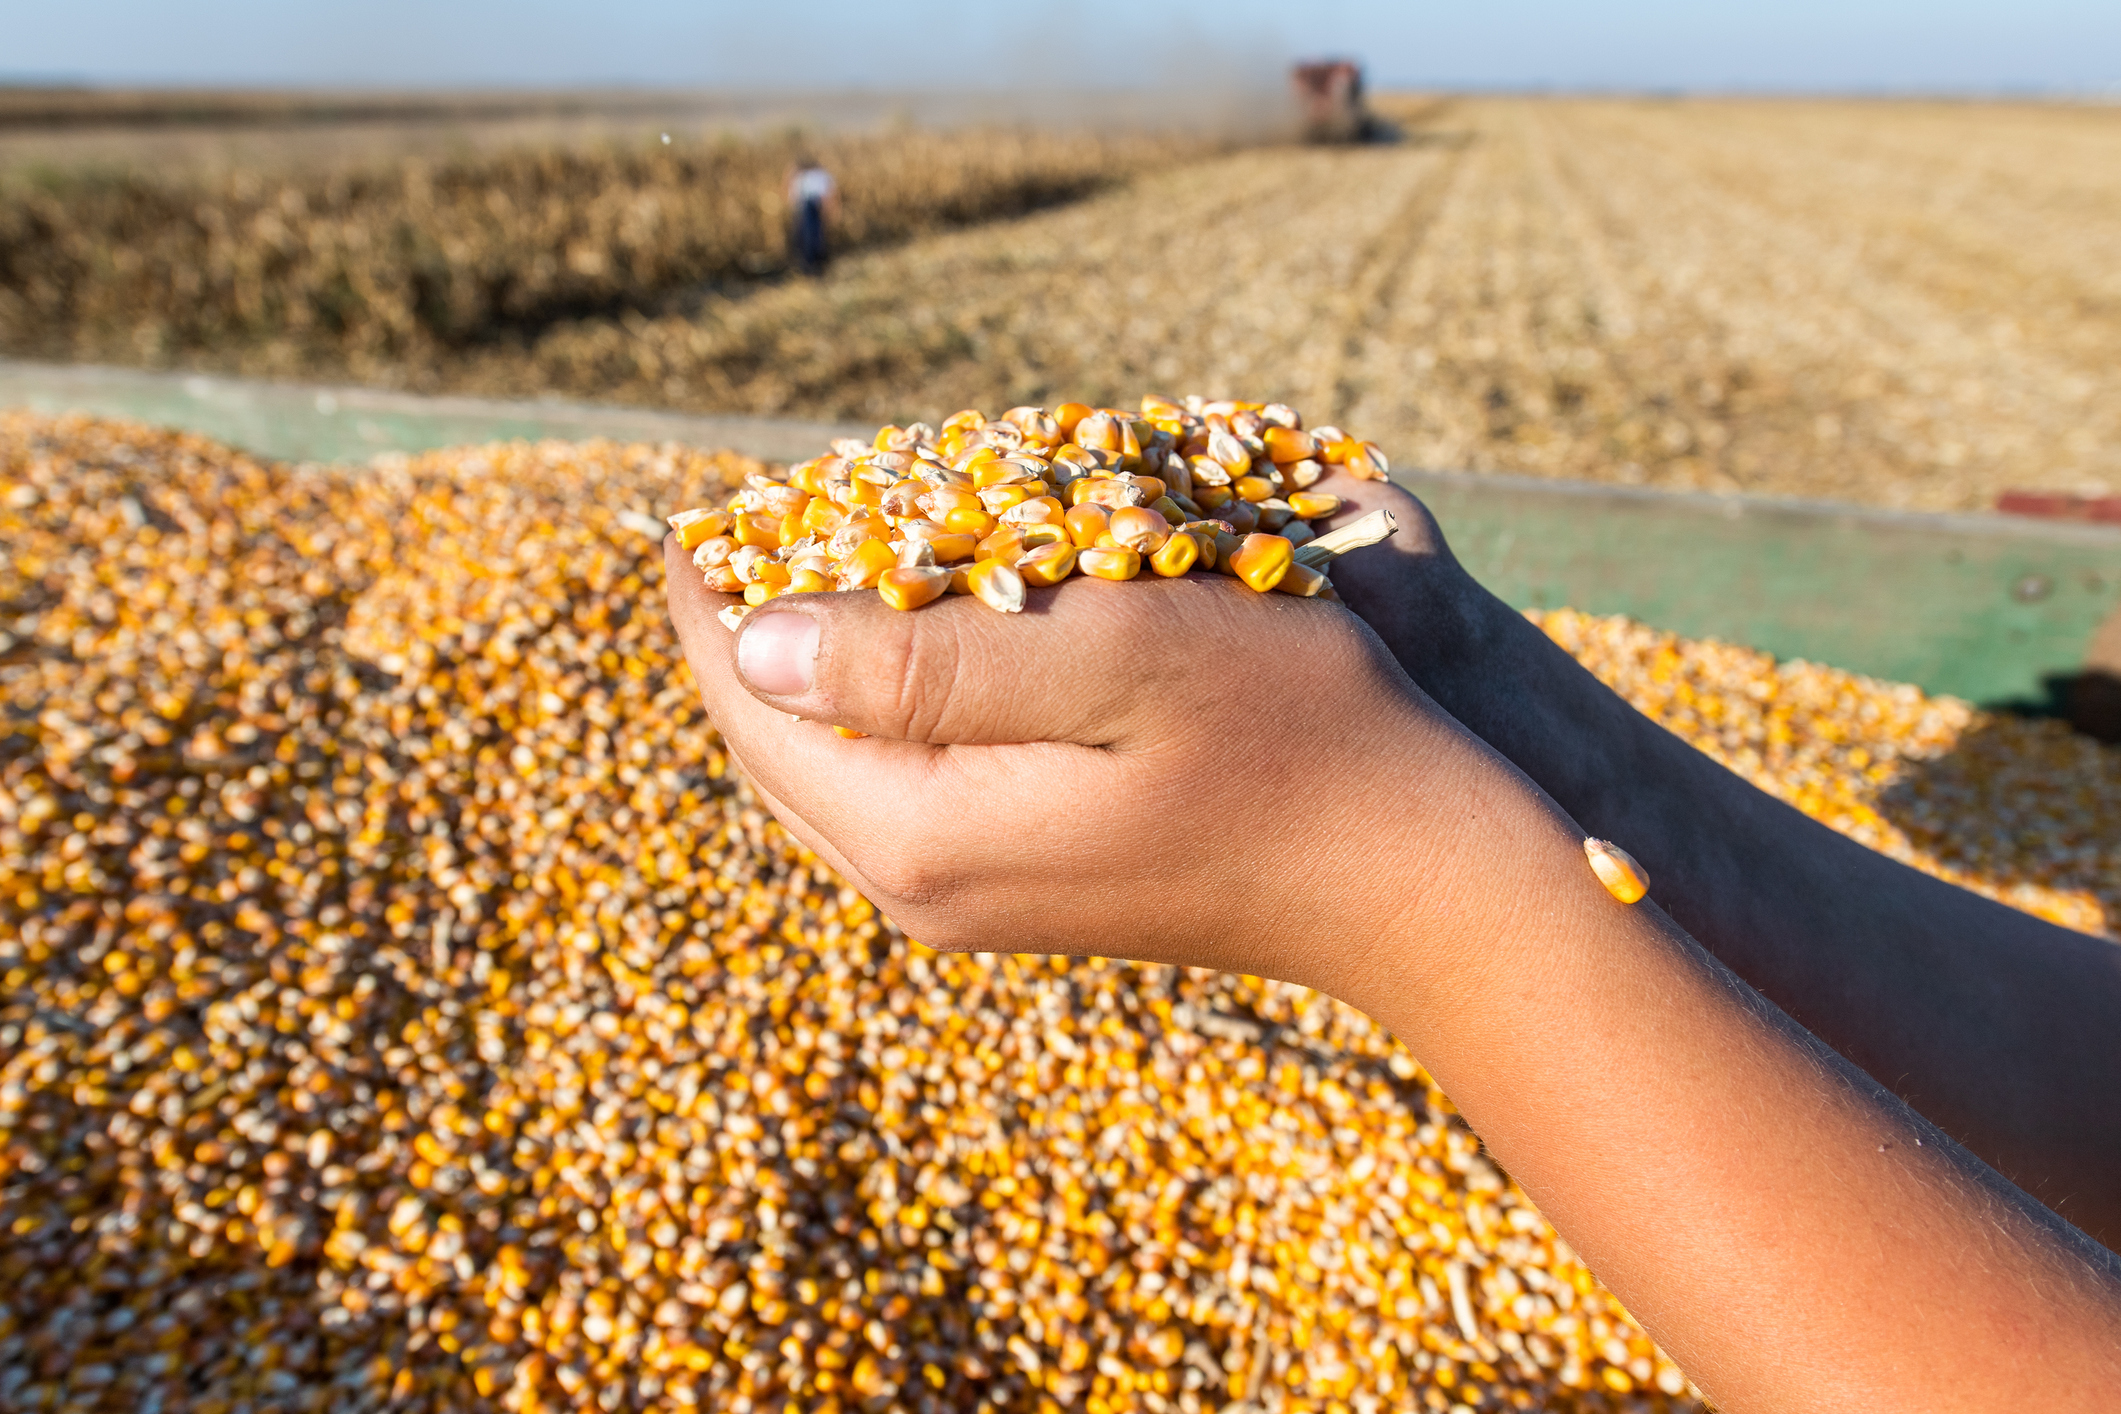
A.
pixel 990 507
pixel 405 1007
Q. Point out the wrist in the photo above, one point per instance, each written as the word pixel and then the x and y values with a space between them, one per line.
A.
pixel 1461 860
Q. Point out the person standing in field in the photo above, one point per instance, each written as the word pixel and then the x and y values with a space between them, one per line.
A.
pixel 813 201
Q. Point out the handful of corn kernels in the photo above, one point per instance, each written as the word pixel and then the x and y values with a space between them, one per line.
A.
pixel 993 508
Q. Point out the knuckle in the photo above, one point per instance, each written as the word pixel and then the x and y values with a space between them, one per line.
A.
pixel 916 879
pixel 913 675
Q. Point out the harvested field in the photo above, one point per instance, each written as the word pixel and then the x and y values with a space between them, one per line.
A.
pixel 404 1004
pixel 1907 305
pixel 1900 303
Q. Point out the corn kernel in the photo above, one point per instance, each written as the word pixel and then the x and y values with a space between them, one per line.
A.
pixel 904 588
pixel 1115 563
pixel 1048 564
pixel 1139 529
pixel 996 585
pixel 1086 521
pixel 1179 553
pixel 1623 878
pixel 1261 561
pixel 866 564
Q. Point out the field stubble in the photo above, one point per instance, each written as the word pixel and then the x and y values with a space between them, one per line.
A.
pixel 1912 305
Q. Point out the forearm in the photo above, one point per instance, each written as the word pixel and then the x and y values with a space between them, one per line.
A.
pixel 1995 1025
pixel 1794 1236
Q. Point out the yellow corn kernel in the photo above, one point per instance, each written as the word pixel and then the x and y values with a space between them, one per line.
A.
pixel 758 593
pixel 724 580
pixel 1252 488
pixel 1286 444
pixel 1367 460
pixel 771 572
pixel 869 559
pixel 1212 498
pixel 695 526
pixel 1310 505
pixel 1048 564
pixel 1131 431
pixel 1043 533
pixel 996 585
pixel 1623 878
pixel 1069 416
pixel 759 529
pixel 1301 476
pixel 1037 425
pixel 1179 553
pixel 821 518
pixel 854 532
pixel 965 521
pixel 1114 494
pixel 998 472
pixel 996 499
pixel 1302 581
pixel 1085 522
pixel 1261 561
pixel 911 588
pixel 951 548
pixel 1115 563
pixel 1139 529
pixel 1007 545
pixel 808 582
pixel 1203 533
pixel 714 550
pixel 943 500
pixel 1100 432
pixel 1229 453
pixel 1038 510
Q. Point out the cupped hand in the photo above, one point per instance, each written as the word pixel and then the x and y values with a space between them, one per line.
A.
pixel 1170 770
pixel 1411 590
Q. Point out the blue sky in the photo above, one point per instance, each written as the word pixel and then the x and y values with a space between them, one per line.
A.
pixel 1800 44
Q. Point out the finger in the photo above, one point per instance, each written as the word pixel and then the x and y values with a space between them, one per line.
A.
pixel 1082 664
pixel 817 777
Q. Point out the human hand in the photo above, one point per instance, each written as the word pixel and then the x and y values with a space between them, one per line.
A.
pixel 1171 770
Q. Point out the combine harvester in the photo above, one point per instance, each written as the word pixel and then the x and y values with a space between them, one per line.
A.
pixel 1329 97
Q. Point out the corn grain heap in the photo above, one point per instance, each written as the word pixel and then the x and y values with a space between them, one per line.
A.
pixel 989 507
pixel 403 1005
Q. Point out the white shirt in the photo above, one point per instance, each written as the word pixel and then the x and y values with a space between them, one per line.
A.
pixel 810 184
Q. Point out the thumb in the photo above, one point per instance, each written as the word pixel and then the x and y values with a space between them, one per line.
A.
pixel 1081 664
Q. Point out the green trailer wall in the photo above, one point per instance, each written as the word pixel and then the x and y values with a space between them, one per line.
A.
pixel 1997 609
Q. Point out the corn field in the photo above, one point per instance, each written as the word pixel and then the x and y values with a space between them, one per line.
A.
pixel 390 271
